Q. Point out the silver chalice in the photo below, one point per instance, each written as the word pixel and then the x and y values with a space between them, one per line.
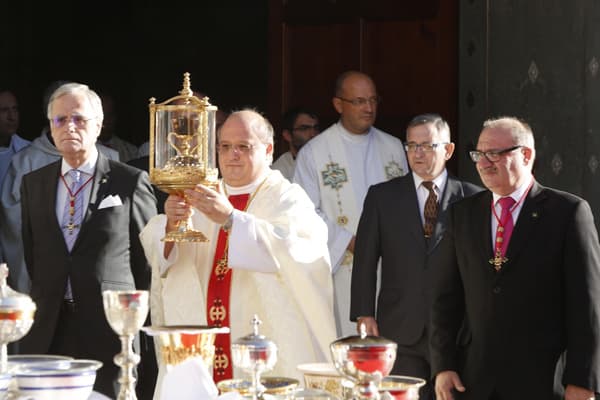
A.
pixel 126 312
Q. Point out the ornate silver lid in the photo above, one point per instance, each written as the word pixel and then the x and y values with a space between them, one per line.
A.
pixel 254 354
pixel 11 299
pixel 254 340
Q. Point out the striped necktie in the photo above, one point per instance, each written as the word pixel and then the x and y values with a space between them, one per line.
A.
pixel 73 211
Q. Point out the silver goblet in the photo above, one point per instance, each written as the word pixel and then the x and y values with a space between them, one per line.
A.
pixel 126 312
pixel 254 354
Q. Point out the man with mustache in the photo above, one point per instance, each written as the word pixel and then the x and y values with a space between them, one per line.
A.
pixel 517 283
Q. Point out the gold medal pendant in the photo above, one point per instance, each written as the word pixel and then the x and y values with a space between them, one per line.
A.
pixel 497 261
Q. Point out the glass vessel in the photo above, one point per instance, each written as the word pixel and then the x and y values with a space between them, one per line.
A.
pixel 182 149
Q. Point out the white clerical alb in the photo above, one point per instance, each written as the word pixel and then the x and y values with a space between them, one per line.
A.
pixel 336 169
pixel 281 272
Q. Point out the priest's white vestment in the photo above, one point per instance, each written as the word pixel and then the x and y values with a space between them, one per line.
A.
pixel 336 169
pixel 281 272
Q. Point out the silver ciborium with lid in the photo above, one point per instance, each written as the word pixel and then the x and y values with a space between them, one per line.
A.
pixel 254 354
pixel 16 316
pixel 183 149
pixel 364 360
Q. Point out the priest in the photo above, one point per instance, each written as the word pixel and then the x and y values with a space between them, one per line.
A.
pixel 267 255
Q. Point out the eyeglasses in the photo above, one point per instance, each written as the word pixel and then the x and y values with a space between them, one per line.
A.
pixel 491 155
pixel 426 147
pixel 361 101
pixel 78 120
pixel 243 148
pixel 304 128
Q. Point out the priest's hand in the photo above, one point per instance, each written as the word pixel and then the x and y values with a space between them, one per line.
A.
pixel 176 209
pixel 212 203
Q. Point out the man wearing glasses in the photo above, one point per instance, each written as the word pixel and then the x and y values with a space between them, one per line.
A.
pixel 267 255
pixel 517 283
pixel 299 126
pixel 81 217
pixel 336 169
pixel 399 311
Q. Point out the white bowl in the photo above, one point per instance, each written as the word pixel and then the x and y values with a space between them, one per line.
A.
pixel 19 360
pixel 324 376
pixel 401 387
pixel 57 380
pixel 5 380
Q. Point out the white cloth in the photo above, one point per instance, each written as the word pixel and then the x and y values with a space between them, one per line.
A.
pixel 336 169
pixel 40 153
pixel 286 164
pixel 191 380
pixel 280 232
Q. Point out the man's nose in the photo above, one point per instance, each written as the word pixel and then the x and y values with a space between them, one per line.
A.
pixel 484 162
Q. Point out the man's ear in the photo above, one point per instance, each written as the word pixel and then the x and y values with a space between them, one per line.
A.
pixel 527 155
pixel 337 104
pixel 449 147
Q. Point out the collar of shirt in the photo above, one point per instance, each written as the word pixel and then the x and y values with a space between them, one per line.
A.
pixel 439 184
pixel 353 137
pixel 516 195
pixel 87 167
pixel 249 188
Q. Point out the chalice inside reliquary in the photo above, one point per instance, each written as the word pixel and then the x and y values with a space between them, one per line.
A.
pixel 182 150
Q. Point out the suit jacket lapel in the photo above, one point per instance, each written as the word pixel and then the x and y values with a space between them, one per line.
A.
pixel 483 213
pixel 414 224
pixel 452 192
pixel 51 186
pixel 526 223
pixel 100 186
pixel 99 189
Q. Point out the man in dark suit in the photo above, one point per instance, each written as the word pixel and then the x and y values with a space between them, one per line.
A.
pixel 517 283
pixel 396 228
pixel 81 219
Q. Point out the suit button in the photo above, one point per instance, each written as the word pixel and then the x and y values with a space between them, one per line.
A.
pixel 496 289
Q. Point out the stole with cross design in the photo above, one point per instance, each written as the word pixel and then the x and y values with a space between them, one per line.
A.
pixel 218 296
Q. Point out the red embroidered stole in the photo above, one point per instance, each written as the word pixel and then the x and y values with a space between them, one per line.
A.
pixel 217 304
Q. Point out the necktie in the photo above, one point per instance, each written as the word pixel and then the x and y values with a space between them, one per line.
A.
pixel 430 210
pixel 505 225
pixel 73 209
pixel 71 220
